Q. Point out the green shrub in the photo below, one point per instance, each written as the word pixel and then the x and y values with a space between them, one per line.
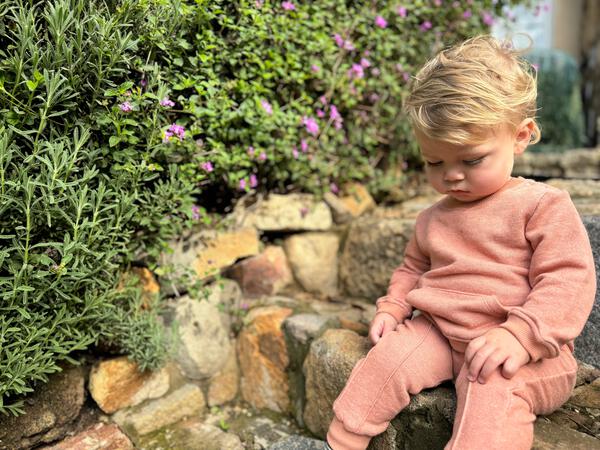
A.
pixel 559 100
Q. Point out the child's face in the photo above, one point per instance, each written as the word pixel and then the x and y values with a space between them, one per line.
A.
pixel 471 172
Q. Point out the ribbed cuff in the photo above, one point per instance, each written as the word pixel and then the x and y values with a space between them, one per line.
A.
pixel 525 335
pixel 341 439
pixel 394 309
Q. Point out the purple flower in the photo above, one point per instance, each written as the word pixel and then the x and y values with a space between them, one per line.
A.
pixel 375 71
pixel 425 26
pixel 288 6
pixel 334 188
pixel 374 97
pixel 167 103
pixel 334 113
pixel 258 3
pixel 323 99
pixel 207 166
pixel 195 212
pixel 251 151
pixel 267 107
pixel 177 130
pixel 303 211
pixel 467 14
pixel 380 22
pixel 126 107
pixel 253 181
pixel 262 156
pixel 303 145
pixel 437 2
pixel 366 53
pixel 364 62
pixel 406 76
pixel 401 11
pixel 244 306
pixel 295 152
pixel 315 68
pixel 487 18
pixel 311 125
pixel 356 71
pixel 338 40
pixel 143 82
pixel 320 113
pixel 242 184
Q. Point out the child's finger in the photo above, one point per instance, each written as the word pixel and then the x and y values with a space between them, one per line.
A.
pixel 473 348
pixel 478 361
pixel 375 332
pixel 492 363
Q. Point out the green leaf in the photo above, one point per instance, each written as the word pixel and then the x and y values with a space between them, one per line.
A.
pixel 113 141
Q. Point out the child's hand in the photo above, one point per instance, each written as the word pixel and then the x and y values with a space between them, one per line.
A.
pixel 498 347
pixel 381 324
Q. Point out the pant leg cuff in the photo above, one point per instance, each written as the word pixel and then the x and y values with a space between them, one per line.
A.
pixel 341 439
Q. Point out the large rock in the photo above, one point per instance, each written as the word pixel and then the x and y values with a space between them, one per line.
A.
pixel 576 163
pixel 374 247
pixel 224 386
pixel 264 274
pixel 186 401
pixel 300 330
pixel 326 368
pixel 100 436
pixel 49 411
pixel 206 253
pixel 314 260
pixel 204 340
pixel 293 212
pixel 354 202
pixel 588 343
pixel 117 383
pixel 190 434
pixel 263 359
pixel 298 443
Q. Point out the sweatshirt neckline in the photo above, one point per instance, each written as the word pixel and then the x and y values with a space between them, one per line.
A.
pixel 513 183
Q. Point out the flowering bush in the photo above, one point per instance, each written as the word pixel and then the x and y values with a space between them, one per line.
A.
pixel 294 95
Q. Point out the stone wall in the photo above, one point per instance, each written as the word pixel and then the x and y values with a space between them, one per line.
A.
pixel 264 355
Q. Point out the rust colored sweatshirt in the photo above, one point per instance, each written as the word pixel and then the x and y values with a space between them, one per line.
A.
pixel 519 259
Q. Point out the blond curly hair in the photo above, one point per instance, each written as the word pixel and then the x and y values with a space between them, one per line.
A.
pixel 469 90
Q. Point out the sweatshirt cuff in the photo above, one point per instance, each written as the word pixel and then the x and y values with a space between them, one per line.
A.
pixel 525 335
pixel 397 311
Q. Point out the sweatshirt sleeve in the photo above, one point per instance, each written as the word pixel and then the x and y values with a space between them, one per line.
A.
pixel 404 278
pixel 561 275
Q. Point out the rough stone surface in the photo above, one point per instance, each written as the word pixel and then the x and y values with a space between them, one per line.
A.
pixel 48 411
pixel 101 436
pixel 190 434
pixel 204 340
pixel 224 386
pixel 116 383
pixel 264 274
pixel 374 247
pixel 326 368
pixel 259 433
pixel 293 212
pixel 576 163
pixel 263 359
pixel 300 330
pixel 155 414
pixel 549 436
pixel 588 343
pixel 206 253
pixel 298 443
pixel 584 193
pixel 354 202
pixel 314 260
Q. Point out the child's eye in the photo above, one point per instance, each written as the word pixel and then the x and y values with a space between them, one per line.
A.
pixel 433 164
pixel 473 162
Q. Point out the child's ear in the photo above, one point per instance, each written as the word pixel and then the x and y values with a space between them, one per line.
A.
pixel 523 135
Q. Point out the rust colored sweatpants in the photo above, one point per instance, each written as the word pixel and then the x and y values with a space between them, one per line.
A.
pixel 497 415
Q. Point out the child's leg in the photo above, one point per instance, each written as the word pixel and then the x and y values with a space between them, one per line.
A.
pixel 499 414
pixel 413 357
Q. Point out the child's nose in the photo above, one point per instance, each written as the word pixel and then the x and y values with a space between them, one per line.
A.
pixel 453 174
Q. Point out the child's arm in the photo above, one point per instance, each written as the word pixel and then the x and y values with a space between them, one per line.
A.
pixel 403 280
pixel 563 285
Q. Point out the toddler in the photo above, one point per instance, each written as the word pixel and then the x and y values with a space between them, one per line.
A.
pixel 501 268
